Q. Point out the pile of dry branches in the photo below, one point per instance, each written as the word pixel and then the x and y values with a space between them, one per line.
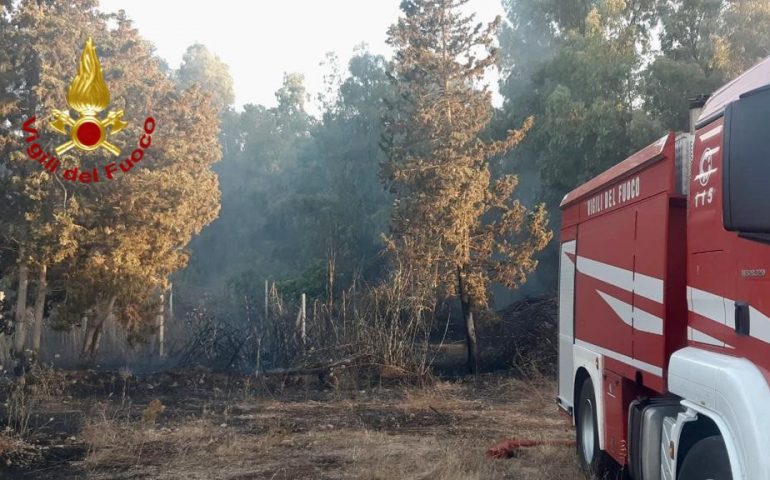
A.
pixel 216 343
pixel 526 335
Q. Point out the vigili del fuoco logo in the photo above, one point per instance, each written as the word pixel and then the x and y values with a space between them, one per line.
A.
pixel 89 131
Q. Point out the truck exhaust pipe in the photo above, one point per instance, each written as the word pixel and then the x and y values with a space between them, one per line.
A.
pixel 696 107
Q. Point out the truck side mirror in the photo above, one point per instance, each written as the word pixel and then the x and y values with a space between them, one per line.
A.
pixel 746 163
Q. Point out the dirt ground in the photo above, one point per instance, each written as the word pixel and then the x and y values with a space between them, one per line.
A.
pixel 199 425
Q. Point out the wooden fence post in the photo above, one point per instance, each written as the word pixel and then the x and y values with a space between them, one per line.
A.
pixel 302 320
pixel 267 299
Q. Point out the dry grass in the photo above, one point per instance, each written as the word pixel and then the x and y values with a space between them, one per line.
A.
pixel 437 432
pixel 198 446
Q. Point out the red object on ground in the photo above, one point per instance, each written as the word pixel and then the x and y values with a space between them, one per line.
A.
pixel 507 448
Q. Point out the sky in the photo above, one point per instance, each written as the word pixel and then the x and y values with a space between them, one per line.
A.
pixel 261 40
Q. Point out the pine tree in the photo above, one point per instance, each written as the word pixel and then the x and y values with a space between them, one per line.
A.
pixel 452 224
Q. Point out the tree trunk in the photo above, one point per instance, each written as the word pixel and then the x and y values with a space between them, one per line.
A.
pixel 171 302
pixel 21 315
pixel 94 330
pixel 39 310
pixel 470 324
pixel 161 317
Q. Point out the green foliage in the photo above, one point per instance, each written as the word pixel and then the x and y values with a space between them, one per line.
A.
pixel 704 43
pixel 669 86
pixel 311 282
pixel 581 91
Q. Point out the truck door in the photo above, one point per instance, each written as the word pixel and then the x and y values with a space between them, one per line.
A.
pixel 710 281
pixel 650 270
pixel 604 285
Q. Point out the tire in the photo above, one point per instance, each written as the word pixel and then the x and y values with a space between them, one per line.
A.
pixel 591 458
pixel 707 460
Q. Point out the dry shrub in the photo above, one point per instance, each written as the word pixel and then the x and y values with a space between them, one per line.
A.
pixel 385 327
pixel 26 394
pixel 15 453
pixel 391 323
pixel 216 343
pixel 155 408
pixel 24 397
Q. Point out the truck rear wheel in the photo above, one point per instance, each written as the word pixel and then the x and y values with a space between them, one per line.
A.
pixel 587 431
pixel 707 460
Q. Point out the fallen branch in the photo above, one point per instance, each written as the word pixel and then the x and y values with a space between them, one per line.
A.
pixel 443 416
pixel 310 370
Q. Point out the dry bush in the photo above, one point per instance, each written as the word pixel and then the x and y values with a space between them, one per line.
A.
pixel 23 398
pixel 155 408
pixel 391 323
pixel 216 343
pixel 385 327
pixel 25 395
pixel 17 454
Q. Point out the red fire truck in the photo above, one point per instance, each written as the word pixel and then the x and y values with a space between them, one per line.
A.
pixel 664 316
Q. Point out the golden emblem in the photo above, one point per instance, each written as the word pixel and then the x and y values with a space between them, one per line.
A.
pixel 88 95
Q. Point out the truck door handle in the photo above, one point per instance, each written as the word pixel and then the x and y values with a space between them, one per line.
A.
pixel 742 318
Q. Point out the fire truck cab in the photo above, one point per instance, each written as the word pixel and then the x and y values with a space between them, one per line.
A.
pixel 664 299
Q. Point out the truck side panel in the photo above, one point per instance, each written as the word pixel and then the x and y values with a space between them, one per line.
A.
pixel 650 258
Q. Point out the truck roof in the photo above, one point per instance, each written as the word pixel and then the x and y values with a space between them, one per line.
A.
pixel 756 77
pixel 633 163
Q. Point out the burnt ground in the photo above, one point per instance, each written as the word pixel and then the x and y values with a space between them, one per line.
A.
pixel 200 425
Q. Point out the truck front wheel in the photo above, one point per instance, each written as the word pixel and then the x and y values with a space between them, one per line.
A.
pixel 706 460
pixel 587 431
